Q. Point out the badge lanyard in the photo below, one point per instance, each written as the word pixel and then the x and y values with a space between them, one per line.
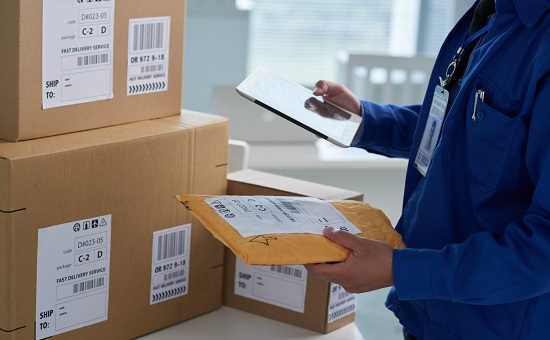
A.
pixel 439 107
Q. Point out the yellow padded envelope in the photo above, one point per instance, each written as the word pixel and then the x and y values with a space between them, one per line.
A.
pixel 295 248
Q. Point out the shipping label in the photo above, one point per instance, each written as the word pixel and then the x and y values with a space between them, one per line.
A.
pixel 77 51
pixel 170 264
pixel 72 288
pixel 261 215
pixel 148 52
pixel 341 303
pixel 282 286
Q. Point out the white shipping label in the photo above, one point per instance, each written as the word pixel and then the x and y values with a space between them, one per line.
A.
pixel 340 304
pixel 170 269
pixel 148 52
pixel 261 215
pixel 77 51
pixel 282 286
pixel 72 285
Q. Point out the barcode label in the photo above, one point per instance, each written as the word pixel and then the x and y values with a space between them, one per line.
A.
pixel 148 36
pixel 170 263
pixel 174 275
pixel 88 285
pixel 290 206
pixel 152 68
pixel 90 60
pixel 289 271
pixel 170 245
pixel 148 55
pixel 341 303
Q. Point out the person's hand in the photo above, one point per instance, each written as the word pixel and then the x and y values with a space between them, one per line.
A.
pixel 367 268
pixel 338 94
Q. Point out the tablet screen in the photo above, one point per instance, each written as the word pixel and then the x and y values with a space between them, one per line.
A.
pixel 297 103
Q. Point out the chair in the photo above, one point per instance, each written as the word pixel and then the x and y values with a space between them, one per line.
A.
pixel 238 154
pixel 385 79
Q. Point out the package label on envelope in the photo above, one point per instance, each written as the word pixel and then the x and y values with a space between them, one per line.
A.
pixel 282 286
pixel 72 288
pixel 260 215
pixel 170 263
pixel 77 52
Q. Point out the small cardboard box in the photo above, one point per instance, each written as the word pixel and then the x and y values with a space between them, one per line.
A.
pixel 72 65
pixel 285 293
pixel 93 244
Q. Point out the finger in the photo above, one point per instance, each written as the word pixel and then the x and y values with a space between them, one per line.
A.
pixel 322 270
pixel 321 88
pixel 341 237
pixel 331 89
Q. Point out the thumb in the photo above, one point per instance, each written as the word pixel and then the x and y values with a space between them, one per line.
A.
pixel 321 88
pixel 340 237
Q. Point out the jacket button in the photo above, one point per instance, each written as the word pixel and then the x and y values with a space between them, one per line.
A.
pixel 480 115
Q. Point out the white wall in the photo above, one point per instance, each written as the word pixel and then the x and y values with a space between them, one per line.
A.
pixel 215 49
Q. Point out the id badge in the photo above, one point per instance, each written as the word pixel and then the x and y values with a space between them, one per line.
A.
pixel 432 130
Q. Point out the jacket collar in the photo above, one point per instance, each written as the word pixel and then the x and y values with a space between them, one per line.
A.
pixel 529 11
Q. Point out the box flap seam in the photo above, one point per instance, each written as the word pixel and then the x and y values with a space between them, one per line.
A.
pixel 12 211
pixel 11 330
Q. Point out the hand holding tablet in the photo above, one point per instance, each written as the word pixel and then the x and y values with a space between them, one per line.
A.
pixel 297 104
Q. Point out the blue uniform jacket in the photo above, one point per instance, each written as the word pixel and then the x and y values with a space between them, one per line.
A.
pixel 477 226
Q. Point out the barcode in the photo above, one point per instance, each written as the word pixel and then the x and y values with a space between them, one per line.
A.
pixel 95 59
pixel 424 160
pixel 152 68
pixel 290 271
pixel 87 285
pixel 170 245
pixel 343 295
pixel 173 275
pixel 341 312
pixel 148 36
pixel 290 206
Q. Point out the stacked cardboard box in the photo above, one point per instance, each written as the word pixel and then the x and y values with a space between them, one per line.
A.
pixel 93 243
pixel 285 293
pixel 71 65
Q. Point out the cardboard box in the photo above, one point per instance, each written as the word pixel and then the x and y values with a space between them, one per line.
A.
pixel 95 202
pixel 60 55
pixel 285 293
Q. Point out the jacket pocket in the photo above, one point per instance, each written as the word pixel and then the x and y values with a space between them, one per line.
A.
pixel 491 123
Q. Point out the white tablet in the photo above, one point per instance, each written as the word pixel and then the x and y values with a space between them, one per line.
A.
pixel 297 104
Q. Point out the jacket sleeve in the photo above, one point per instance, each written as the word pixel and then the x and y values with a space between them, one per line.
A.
pixel 387 129
pixel 489 268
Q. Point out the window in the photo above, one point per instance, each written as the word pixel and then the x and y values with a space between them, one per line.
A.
pixel 301 39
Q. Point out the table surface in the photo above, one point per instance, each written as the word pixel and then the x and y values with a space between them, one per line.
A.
pixel 320 154
pixel 228 323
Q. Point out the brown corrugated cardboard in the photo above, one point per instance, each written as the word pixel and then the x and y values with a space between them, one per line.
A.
pixel 315 315
pixel 130 173
pixel 22 88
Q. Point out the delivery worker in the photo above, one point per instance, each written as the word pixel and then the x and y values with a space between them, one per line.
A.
pixel 476 213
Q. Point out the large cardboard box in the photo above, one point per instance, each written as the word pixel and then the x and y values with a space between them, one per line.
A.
pixel 285 293
pixel 88 247
pixel 71 65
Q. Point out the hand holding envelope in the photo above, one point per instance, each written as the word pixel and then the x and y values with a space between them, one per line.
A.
pixel 281 244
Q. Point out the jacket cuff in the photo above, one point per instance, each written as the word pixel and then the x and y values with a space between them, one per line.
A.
pixel 412 273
